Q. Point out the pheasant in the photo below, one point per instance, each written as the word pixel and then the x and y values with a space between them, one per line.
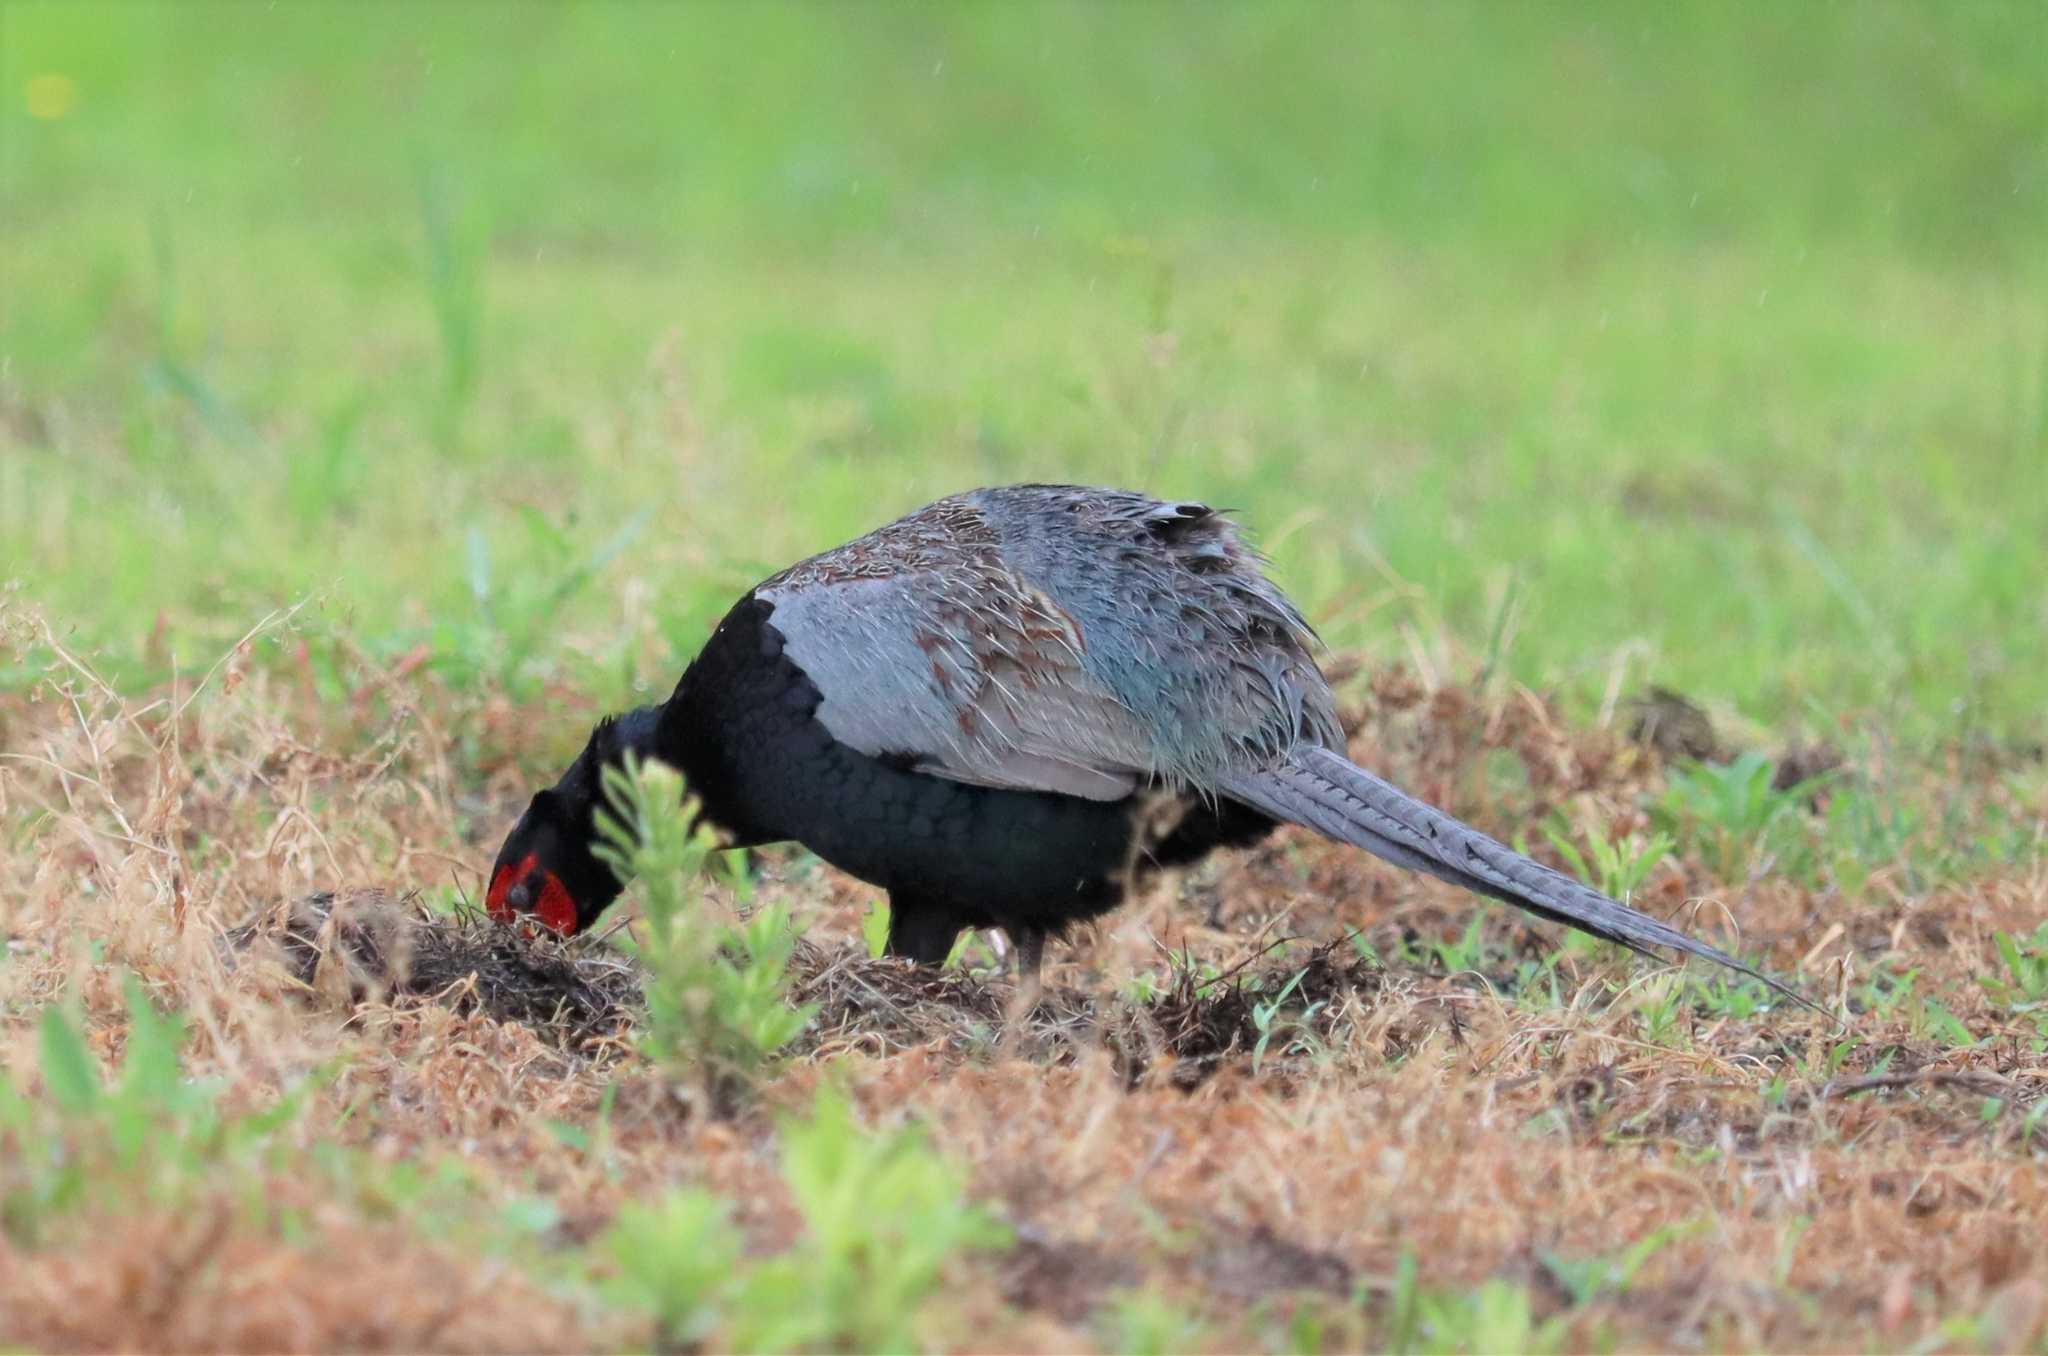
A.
pixel 1006 709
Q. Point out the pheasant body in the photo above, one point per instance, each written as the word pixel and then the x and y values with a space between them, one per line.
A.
pixel 1006 707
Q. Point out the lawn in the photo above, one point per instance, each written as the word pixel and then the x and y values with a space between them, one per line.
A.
pixel 387 391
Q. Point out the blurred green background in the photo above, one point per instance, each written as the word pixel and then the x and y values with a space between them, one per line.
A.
pixel 1699 344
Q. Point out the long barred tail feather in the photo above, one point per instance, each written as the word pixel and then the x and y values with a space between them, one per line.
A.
pixel 1322 790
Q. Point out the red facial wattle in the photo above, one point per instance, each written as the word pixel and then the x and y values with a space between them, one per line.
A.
pixel 555 908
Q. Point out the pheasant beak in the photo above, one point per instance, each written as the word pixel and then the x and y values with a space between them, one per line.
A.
pixel 528 890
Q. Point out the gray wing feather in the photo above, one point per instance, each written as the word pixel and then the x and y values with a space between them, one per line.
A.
pixel 995 701
pixel 1056 639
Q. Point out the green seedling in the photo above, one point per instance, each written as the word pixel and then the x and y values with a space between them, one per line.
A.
pixel 1616 867
pixel 717 994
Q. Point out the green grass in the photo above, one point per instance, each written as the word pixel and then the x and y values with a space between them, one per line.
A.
pixel 1708 339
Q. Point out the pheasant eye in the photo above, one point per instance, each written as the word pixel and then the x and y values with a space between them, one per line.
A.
pixel 496 904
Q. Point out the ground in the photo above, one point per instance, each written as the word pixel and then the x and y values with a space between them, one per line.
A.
pixel 1291 1098
pixel 1649 408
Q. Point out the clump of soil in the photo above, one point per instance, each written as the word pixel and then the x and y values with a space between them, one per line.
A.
pixel 1802 763
pixel 884 1004
pixel 1203 1023
pixel 1191 1028
pixel 1261 1263
pixel 1675 726
pixel 367 945
pixel 1061 1277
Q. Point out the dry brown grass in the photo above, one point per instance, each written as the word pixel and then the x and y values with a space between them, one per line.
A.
pixel 1128 1137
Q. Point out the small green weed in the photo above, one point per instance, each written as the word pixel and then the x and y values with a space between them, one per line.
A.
pixel 1660 1003
pixel 1266 1016
pixel 1885 991
pixel 1936 1022
pixel 677 1259
pixel 874 928
pixel 1589 1278
pixel 1467 953
pixel 1728 995
pixel 1536 985
pixel 883 1216
pixel 968 950
pixel 1864 832
pixel 1731 813
pixel 1617 867
pixel 2023 988
pixel 1495 1317
pixel 152 1132
pixel 717 996
pixel 1146 1323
